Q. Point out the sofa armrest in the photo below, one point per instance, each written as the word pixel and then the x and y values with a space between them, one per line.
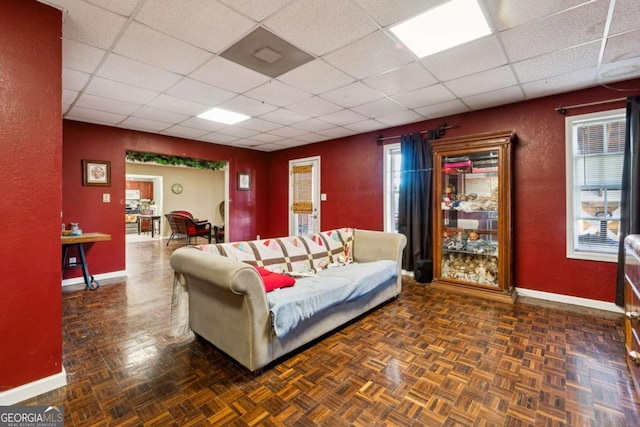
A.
pixel 371 245
pixel 227 304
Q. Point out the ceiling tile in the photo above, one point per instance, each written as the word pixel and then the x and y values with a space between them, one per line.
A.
pixel 258 125
pixel 250 107
pixel 94 116
pixel 342 117
pixel 621 70
pixel 336 132
pixel 90 24
pixel 399 118
pixel 68 96
pixel 316 77
pixel 443 109
pixel 351 95
pixel 143 124
pixel 204 124
pixel 403 79
pixel 122 7
pixel 160 50
pixel 312 125
pixel 169 16
pixel 160 115
pixel 284 116
pixel 277 93
pixel 557 63
pixel 80 56
pixel 365 126
pixel 551 85
pixel 370 55
pixel 507 14
pixel 265 137
pixel 314 107
pixel 74 80
pixel 485 81
pixel 184 132
pixel 570 28
pixel 177 105
pixel 320 26
pixel 492 99
pixel 378 108
pixel 218 138
pixel 120 91
pixel 623 46
pixel 104 104
pixel 311 137
pixel 196 91
pixel 267 147
pixel 136 73
pixel 255 9
pixel 626 16
pixel 479 55
pixel 287 132
pixel 237 132
pixel 387 12
pixel 426 96
pixel 225 74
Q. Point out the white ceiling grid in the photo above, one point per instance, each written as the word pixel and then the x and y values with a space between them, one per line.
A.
pixel 154 65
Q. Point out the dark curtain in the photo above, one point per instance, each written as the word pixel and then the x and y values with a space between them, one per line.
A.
pixel 629 199
pixel 414 212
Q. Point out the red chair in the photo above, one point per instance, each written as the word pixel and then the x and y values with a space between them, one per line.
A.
pixel 184 226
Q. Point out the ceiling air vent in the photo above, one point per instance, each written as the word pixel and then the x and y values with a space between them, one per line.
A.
pixel 266 53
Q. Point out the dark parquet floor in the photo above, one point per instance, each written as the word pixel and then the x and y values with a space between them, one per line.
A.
pixel 429 358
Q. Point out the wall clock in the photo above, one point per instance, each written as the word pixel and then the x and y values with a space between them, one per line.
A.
pixel 176 188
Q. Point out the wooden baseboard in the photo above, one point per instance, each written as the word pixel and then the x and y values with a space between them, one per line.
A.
pixel 499 296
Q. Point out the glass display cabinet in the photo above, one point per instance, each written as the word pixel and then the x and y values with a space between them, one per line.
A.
pixel 472 223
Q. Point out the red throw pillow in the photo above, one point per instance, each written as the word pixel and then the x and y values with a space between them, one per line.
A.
pixel 273 280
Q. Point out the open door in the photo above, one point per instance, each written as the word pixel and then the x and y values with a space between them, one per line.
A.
pixel 304 196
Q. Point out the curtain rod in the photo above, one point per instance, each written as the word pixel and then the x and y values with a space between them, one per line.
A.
pixel 442 128
pixel 563 110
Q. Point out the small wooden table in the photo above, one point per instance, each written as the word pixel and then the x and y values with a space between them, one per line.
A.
pixel 155 219
pixel 79 241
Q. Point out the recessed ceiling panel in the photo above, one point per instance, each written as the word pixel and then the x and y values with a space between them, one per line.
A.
pixel 266 53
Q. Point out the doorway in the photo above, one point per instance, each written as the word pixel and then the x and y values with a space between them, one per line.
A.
pixel 143 197
pixel 304 196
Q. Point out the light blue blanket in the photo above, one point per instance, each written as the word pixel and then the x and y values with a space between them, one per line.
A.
pixel 327 288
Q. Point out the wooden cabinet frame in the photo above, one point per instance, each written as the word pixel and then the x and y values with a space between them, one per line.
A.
pixel 476 259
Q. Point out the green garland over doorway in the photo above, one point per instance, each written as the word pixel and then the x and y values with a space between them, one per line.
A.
pixel 165 160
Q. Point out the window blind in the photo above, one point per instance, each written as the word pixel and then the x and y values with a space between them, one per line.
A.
pixel 597 180
pixel 302 189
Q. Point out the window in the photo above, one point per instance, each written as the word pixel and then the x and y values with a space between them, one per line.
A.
pixel 595 150
pixel 391 187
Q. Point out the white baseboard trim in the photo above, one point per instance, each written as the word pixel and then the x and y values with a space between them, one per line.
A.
pixel 566 299
pixel 98 277
pixel 33 389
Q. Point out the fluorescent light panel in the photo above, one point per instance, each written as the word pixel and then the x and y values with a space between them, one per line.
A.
pixel 223 116
pixel 450 24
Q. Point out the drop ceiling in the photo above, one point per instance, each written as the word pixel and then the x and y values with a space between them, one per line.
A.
pixel 154 65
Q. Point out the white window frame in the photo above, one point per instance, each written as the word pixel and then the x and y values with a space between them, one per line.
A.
pixel 389 218
pixel 572 252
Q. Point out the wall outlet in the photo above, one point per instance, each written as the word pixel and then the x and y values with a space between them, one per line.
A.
pixel 106 198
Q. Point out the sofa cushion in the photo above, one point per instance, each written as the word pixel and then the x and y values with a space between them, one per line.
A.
pixel 273 280
pixel 299 254
pixel 325 289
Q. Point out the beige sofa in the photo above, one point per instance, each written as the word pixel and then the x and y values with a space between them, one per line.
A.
pixel 227 304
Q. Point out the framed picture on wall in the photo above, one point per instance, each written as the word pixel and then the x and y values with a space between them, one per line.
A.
pixel 96 172
pixel 244 181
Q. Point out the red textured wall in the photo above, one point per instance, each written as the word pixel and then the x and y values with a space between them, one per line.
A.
pixel 352 177
pixel 30 173
pixel 84 204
